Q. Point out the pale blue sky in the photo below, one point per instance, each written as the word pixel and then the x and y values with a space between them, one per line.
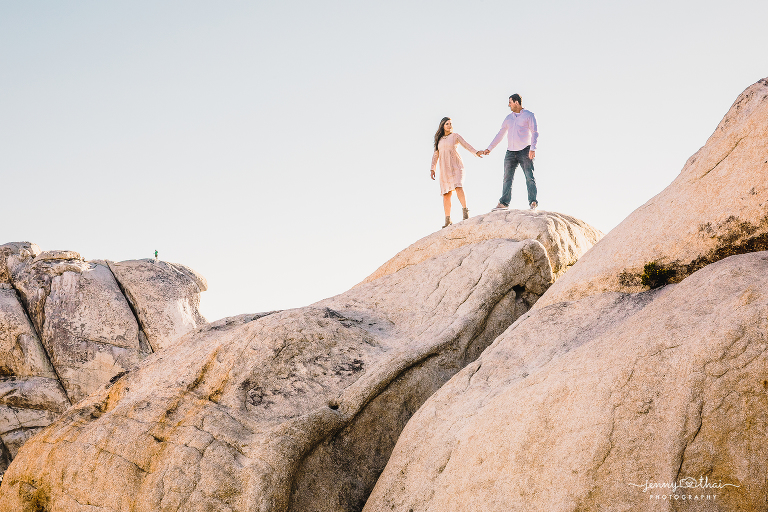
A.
pixel 282 149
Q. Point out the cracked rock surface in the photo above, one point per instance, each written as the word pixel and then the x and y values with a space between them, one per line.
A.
pixel 565 238
pixel 31 396
pixel 86 326
pixel 165 297
pixel 66 329
pixel 579 400
pixel 715 208
pixel 294 410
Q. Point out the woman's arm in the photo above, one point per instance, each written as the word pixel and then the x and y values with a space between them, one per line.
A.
pixel 434 161
pixel 466 145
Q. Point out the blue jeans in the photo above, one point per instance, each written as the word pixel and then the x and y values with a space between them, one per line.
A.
pixel 511 160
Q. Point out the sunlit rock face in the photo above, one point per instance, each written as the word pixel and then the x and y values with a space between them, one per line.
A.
pixel 716 207
pixel 565 238
pixel 66 329
pixel 579 404
pixel 293 410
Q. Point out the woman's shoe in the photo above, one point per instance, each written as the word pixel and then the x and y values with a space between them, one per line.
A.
pixel 447 221
pixel 465 212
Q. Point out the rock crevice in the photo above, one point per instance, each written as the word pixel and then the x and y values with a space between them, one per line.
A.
pixel 144 344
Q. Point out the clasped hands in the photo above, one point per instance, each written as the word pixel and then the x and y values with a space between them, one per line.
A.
pixel 531 154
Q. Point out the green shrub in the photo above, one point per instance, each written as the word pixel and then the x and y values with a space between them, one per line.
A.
pixel 655 275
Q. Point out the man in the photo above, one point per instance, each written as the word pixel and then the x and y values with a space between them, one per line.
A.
pixel 522 136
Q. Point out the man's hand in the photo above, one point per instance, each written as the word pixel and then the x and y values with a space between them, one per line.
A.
pixel 531 154
pixel 432 173
pixel 487 152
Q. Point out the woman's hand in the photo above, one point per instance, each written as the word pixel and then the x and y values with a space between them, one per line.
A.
pixel 480 154
pixel 432 173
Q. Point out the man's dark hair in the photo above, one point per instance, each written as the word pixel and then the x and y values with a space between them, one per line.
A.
pixel 516 97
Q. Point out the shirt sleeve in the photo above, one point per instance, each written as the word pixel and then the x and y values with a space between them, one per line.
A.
pixel 533 126
pixel 499 136
pixel 465 144
pixel 434 159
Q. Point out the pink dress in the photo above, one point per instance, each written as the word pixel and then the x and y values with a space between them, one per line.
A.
pixel 451 166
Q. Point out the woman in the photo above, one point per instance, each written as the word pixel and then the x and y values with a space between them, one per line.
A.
pixel 451 166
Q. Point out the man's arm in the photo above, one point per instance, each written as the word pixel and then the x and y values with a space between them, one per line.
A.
pixel 498 137
pixel 533 126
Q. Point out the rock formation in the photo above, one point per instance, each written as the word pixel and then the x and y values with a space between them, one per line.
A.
pixel 717 207
pixel 165 297
pixel 294 410
pixel 85 323
pixel 645 365
pixel 564 237
pixel 580 401
pixel 66 329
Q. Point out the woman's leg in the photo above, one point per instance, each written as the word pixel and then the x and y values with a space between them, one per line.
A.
pixel 460 195
pixel 447 203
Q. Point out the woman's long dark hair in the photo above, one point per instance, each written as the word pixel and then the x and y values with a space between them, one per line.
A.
pixel 441 130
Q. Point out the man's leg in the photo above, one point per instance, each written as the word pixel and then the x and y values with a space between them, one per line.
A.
pixel 527 164
pixel 510 164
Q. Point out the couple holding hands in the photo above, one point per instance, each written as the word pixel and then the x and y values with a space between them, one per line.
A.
pixel 522 135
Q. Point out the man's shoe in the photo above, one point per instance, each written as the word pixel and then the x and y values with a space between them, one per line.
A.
pixel 465 213
pixel 534 205
pixel 500 207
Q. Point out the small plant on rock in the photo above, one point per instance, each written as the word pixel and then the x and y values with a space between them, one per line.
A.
pixel 655 275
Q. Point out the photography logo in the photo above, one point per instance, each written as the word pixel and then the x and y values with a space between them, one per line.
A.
pixel 686 489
